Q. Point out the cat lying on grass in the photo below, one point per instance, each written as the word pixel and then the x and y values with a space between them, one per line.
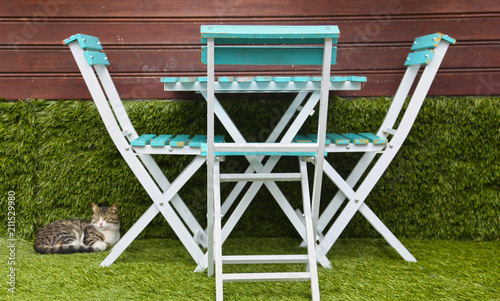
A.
pixel 80 236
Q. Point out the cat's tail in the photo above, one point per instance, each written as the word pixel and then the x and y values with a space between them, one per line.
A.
pixel 63 249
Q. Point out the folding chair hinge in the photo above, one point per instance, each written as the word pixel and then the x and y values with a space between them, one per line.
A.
pixel 308 159
pixel 390 131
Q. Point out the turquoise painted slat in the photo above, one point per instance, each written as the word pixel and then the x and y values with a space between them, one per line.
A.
pixel 359 79
pixel 86 42
pixel 374 138
pixel 244 79
pixel 188 79
pixel 179 140
pixel 419 58
pixel 143 140
pixel 169 79
pixel 314 138
pixel 449 39
pixel 96 58
pixel 301 79
pixel 225 79
pixel 273 41
pixel 263 55
pixel 338 139
pixel 355 138
pixel 269 32
pixel 197 140
pixel 202 79
pixel 430 41
pixel 161 140
pixel 302 139
pixel 335 79
pixel 256 153
pixel 282 79
pixel 218 138
pixel 263 78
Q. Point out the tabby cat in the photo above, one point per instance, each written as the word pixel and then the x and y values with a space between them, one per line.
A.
pixel 79 236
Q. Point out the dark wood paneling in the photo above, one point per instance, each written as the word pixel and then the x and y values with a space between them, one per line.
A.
pixel 188 33
pixel 239 8
pixel 187 60
pixel 141 87
pixel 146 40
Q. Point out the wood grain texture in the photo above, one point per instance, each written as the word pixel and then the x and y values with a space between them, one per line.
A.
pixel 146 40
pixel 240 8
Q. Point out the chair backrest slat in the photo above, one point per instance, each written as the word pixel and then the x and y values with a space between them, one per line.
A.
pixel 423 48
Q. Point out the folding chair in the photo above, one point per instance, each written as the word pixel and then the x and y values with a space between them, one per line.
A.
pixel 279 47
pixel 429 51
pixel 137 150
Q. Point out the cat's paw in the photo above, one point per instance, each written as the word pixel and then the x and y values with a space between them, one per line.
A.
pixel 100 246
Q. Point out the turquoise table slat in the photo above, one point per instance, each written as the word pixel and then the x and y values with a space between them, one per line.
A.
pixel 161 140
pixel 263 78
pixel 274 41
pixel 261 55
pixel 179 140
pixel 169 79
pixel 257 153
pixel 269 32
pixel 229 79
pixel 143 140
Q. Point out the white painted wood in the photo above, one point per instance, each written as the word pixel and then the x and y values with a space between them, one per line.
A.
pixel 386 233
pixel 265 147
pixel 323 113
pixel 303 276
pixel 269 87
pixel 218 235
pixel 130 236
pixel 273 177
pixel 264 259
pixel 310 232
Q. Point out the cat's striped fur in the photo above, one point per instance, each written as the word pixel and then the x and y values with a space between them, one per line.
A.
pixel 79 236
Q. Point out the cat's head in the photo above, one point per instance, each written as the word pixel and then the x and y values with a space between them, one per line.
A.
pixel 105 218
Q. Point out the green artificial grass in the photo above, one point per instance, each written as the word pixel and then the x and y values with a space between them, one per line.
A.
pixel 161 269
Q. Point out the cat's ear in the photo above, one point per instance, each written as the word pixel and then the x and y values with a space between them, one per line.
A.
pixel 115 206
pixel 95 207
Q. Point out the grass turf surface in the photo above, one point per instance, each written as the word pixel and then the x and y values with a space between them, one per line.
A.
pixel 161 269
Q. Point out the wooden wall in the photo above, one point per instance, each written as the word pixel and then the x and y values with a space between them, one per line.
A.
pixel 148 39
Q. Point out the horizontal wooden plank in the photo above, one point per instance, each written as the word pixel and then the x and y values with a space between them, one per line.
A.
pixel 64 87
pixel 358 31
pixel 268 55
pixel 185 62
pixel 242 8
